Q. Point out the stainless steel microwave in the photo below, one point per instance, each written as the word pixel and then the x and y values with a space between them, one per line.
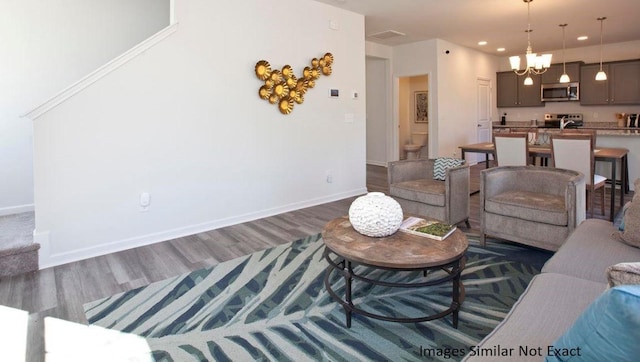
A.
pixel 558 92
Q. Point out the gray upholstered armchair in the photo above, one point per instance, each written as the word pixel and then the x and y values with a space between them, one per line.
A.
pixel 412 184
pixel 537 206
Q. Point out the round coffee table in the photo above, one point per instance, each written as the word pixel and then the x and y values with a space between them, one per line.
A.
pixel 345 247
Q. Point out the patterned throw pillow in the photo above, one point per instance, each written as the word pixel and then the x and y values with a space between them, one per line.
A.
pixel 441 165
pixel 631 233
pixel 623 273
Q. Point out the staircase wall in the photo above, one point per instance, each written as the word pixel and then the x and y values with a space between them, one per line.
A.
pixel 183 122
pixel 46 46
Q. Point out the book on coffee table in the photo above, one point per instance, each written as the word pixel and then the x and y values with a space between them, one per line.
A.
pixel 428 228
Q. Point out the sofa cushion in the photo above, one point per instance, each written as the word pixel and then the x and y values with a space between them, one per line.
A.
pixel 441 164
pixel 591 241
pixel 631 221
pixel 426 191
pixel 549 306
pixel 533 206
pixel 609 330
pixel 623 273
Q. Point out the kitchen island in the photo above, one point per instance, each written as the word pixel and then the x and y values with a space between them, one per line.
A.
pixel 608 136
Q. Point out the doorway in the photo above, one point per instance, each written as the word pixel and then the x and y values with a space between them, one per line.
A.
pixel 413 116
pixel 484 133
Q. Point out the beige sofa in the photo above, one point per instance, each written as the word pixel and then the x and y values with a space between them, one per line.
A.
pixel 570 281
pixel 537 206
pixel 412 184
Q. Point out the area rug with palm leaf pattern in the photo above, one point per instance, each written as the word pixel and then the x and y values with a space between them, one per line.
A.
pixel 272 306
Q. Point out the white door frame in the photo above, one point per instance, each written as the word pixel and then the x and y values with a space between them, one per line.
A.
pixel 483 124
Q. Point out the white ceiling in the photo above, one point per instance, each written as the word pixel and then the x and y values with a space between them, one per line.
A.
pixel 502 23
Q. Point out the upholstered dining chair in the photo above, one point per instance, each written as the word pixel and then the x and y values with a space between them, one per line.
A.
pixel 575 151
pixel 511 149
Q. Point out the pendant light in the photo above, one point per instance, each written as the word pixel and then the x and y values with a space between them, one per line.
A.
pixel 601 75
pixel 564 78
pixel 536 64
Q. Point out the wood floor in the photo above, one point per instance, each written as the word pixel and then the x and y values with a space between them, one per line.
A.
pixel 61 291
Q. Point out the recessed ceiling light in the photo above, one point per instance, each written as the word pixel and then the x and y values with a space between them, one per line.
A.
pixel 501 49
pixel 583 37
pixel 482 42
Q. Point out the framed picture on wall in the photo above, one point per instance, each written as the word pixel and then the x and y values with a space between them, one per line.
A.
pixel 421 112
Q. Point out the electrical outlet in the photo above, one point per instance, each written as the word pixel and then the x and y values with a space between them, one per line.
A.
pixel 329 177
pixel 145 201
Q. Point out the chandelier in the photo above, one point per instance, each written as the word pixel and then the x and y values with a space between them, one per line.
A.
pixel 536 64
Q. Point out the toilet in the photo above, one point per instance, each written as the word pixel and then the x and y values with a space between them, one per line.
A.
pixel 418 141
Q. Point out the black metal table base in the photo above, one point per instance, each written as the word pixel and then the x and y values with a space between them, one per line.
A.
pixel 344 267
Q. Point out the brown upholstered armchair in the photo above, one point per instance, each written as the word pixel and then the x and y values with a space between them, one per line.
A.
pixel 537 206
pixel 412 184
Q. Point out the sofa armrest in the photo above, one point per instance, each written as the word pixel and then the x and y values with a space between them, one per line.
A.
pixel 457 192
pixel 457 178
pixel 408 170
pixel 575 201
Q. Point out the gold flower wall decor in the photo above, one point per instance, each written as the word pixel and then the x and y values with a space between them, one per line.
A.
pixel 283 88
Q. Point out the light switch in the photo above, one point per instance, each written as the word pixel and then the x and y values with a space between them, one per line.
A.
pixel 349 117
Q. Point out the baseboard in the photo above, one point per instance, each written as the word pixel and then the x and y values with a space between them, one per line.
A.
pixel 377 163
pixel 16 209
pixel 47 259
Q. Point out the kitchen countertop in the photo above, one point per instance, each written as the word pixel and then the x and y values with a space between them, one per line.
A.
pixel 602 128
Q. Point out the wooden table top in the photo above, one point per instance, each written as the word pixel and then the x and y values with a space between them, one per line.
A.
pixel 400 250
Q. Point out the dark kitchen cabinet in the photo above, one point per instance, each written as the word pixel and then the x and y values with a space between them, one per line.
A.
pixel 511 91
pixel 625 86
pixel 553 74
pixel 592 91
pixel 621 87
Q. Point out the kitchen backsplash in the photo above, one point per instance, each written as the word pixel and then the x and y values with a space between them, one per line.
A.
pixel 591 114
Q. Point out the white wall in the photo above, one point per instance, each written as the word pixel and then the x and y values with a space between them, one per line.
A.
pixel 452 90
pixel 46 46
pixel 458 73
pixel 377 111
pixel 184 122
pixel 412 60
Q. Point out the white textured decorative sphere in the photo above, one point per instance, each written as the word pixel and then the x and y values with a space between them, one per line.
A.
pixel 375 214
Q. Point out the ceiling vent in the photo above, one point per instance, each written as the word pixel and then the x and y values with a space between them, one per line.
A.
pixel 387 34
